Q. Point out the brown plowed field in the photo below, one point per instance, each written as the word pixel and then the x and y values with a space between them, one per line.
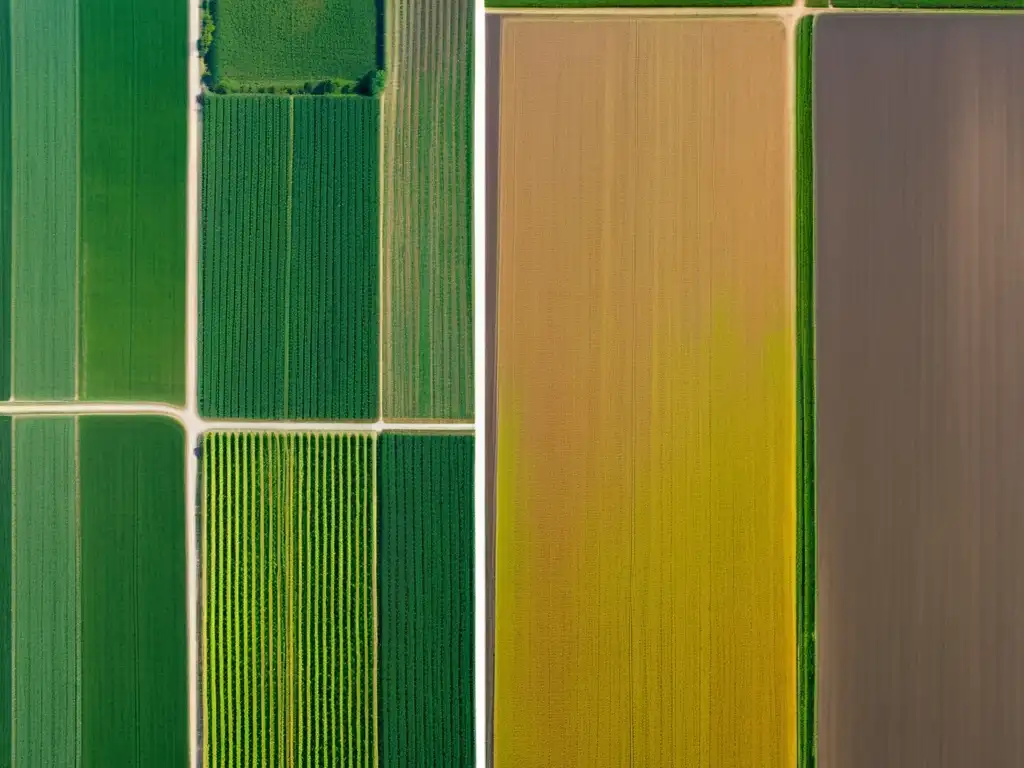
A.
pixel 919 142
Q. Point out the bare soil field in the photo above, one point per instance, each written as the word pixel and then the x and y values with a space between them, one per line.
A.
pixel 645 393
pixel 919 143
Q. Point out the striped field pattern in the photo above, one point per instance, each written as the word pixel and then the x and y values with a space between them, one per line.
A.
pixel 93 649
pixel 93 131
pixel 333 280
pixel 289 549
pixel 426 250
pixel 246 181
pixel 44 200
pixel 426 600
pixel 289 267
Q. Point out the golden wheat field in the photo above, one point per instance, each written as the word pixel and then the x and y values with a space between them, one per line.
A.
pixel 645 493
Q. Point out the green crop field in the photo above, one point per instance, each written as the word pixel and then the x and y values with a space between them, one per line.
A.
pixel 45 616
pixel 333 282
pixel 93 549
pixel 44 149
pixel 427 253
pixel 292 41
pixel 134 651
pixel 133 172
pixel 426 600
pixel 5 208
pixel 289 276
pixel 289 650
pixel 93 126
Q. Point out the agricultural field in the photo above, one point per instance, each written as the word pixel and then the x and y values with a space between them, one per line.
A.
pixel 5 207
pixel 918 126
pixel 260 43
pixel 289 303
pixel 93 533
pixel 556 4
pixel 289 613
pixel 426 248
pixel 926 4
pixel 131 273
pixel 645 455
pixel 93 111
pixel 426 600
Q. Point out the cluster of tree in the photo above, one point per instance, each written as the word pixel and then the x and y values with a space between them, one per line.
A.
pixel 206 30
pixel 370 84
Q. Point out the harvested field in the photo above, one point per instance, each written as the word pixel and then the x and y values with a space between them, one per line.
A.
pixel 645 446
pixel 92 533
pixel 289 258
pixel 427 130
pixel 289 611
pixel 919 125
pixel 264 42
pixel 426 600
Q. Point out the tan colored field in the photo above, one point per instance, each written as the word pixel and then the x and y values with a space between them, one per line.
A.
pixel 645 597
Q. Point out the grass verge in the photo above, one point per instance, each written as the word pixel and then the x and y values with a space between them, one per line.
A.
pixel 805 463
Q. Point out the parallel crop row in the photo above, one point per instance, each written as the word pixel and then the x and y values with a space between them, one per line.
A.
pixel 333 333
pixel 290 621
pixel 246 158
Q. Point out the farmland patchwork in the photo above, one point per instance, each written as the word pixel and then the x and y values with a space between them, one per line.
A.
pixel 93 123
pixel 307 642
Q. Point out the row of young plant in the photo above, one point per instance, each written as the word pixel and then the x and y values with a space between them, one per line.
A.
pixel 370 84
